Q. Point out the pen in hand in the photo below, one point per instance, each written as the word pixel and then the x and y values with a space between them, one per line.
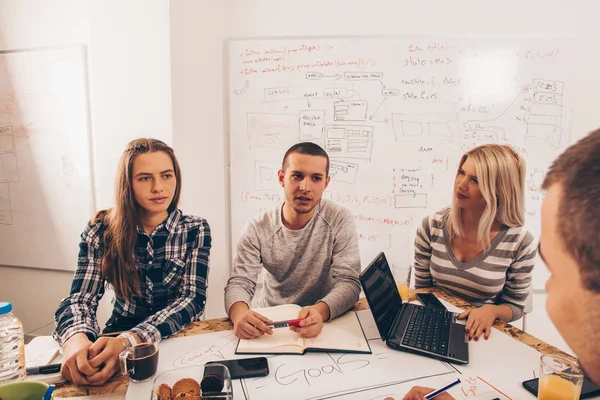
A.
pixel 284 324
pixel 441 390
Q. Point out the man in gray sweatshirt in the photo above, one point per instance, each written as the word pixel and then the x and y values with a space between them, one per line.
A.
pixel 308 249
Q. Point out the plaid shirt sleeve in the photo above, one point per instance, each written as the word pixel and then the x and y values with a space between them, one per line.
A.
pixel 77 312
pixel 190 304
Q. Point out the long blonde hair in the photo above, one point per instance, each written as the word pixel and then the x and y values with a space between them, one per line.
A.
pixel 119 267
pixel 501 177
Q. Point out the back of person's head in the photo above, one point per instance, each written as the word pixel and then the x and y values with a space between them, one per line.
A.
pixel 501 180
pixel 307 148
pixel 577 172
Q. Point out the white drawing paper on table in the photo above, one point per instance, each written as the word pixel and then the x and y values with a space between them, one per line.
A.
pixel 43 350
pixel 477 388
pixel 325 375
pixel 368 323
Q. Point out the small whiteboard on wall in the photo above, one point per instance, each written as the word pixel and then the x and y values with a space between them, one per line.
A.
pixel 46 195
pixel 395 114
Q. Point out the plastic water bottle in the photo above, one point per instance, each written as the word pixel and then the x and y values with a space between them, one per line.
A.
pixel 12 345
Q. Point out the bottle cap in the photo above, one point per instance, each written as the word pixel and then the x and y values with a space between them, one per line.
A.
pixel 5 307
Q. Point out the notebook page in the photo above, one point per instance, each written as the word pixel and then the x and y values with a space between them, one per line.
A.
pixel 283 340
pixel 343 333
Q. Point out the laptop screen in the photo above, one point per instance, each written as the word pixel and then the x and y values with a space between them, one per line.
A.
pixel 382 294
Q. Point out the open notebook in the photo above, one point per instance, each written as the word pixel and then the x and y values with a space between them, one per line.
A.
pixel 344 334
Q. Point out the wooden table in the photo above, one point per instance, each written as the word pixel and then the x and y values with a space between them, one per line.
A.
pixel 119 383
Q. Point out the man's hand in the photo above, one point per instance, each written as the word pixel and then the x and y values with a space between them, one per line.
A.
pixel 419 392
pixel 248 324
pixel 312 320
pixel 75 366
pixel 480 320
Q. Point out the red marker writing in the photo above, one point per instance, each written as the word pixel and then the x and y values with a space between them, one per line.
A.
pixel 284 324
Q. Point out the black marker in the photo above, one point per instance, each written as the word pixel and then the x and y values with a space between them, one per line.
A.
pixel 43 369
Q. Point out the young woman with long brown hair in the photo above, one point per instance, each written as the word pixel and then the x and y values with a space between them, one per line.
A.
pixel 153 256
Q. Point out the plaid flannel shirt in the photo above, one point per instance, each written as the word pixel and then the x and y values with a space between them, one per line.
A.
pixel 173 261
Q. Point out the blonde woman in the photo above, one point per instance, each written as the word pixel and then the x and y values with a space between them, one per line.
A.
pixel 478 248
pixel 154 257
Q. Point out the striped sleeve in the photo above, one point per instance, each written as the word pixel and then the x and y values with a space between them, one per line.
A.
pixel 518 276
pixel 423 255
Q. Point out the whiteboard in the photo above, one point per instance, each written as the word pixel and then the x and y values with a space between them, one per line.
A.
pixel 395 115
pixel 45 179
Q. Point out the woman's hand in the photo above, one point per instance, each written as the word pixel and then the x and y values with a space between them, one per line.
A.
pixel 480 320
pixel 75 366
pixel 104 356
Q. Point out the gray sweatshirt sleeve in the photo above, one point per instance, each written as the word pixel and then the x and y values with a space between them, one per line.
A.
pixel 345 269
pixel 247 265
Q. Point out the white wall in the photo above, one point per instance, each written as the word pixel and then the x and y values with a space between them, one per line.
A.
pixel 129 79
pixel 197 32
pixel 26 24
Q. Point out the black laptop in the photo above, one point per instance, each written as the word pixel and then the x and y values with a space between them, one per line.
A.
pixel 409 327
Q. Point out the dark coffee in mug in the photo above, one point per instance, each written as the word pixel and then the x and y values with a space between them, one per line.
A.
pixel 142 362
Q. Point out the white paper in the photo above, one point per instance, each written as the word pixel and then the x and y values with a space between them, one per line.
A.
pixel 368 324
pixel 321 375
pixel 43 350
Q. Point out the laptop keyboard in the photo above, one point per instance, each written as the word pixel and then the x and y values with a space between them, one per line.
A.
pixel 428 329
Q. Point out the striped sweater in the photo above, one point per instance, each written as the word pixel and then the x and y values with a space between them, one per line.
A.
pixel 499 275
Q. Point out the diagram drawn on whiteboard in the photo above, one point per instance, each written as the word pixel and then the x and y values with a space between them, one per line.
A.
pixel 265 175
pixel 272 130
pixel 538 108
pixel 341 171
pixel 5 212
pixel 308 92
pixel 311 123
pixel 545 115
pixel 9 168
pixel 349 141
pixel 426 127
pixel 9 171
pixel 417 200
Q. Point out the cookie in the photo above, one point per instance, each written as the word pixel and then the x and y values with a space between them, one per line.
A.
pixel 184 396
pixel 163 392
pixel 185 388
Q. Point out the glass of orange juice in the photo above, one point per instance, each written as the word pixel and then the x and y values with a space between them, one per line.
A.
pixel 560 378
pixel 403 281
